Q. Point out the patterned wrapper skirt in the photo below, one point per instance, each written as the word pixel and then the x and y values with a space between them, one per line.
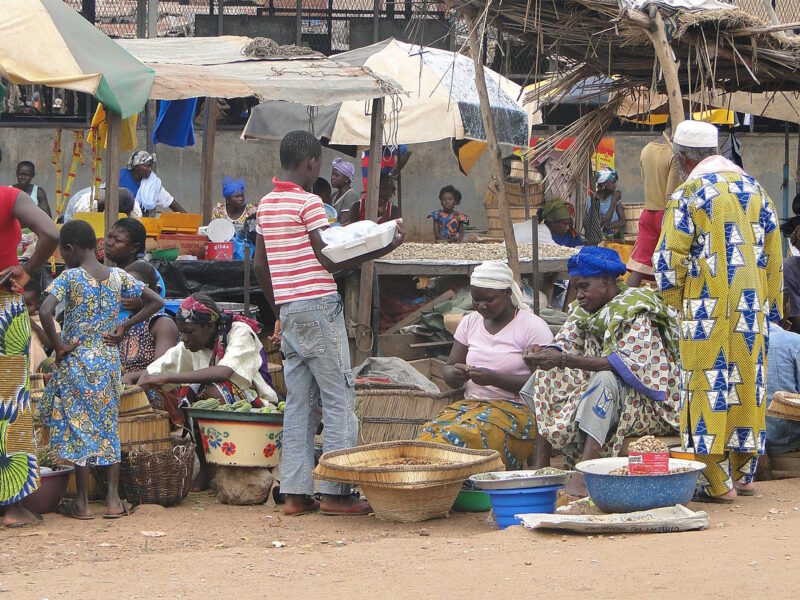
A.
pixel 19 472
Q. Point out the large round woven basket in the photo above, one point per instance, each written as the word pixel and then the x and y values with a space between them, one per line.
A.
pixel 407 481
pixel 133 401
pixel 155 477
pixel 784 405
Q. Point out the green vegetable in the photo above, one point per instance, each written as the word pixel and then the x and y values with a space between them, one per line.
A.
pixel 207 404
pixel 281 406
pixel 266 409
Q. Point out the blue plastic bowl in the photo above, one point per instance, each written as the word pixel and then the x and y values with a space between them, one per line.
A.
pixel 630 493
pixel 508 503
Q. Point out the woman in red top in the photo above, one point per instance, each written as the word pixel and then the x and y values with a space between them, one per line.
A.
pixel 19 472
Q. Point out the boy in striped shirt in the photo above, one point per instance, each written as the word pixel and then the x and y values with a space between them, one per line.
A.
pixel 296 278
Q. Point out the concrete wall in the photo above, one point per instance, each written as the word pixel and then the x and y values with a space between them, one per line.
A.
pixel 431 167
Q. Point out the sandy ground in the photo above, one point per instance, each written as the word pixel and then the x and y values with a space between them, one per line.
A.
pixel 212 550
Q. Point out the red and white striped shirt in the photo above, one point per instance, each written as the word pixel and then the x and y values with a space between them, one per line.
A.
pixel 285 216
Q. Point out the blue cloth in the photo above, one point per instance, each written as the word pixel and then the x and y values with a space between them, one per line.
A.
pixel 783 375
pixel 126 180
pixel 175 126
pixel 569 240
pixel 81 401
pixel 231 186
pixel 594 261
pixel 605 206
pixel 126 314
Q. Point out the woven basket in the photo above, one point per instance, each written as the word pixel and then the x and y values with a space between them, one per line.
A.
pixel 162 477
pixel 145 432
pixel 387 415
pixel 133 401
pixel 784 405
pixel 37 383
pixel 515 195
pixel 422 490
pixel 278 379
pixel 633 212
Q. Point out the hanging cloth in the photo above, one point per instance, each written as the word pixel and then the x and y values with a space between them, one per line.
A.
pixel 127 140
pixel 174 126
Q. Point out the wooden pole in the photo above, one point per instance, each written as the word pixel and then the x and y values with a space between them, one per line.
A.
pixel 666 59
pixel 534 237
pixel 112 170
pixel 298 34
pixel 207 169
pixel 376 15
pixel 498 175
pixel 247 280
pixel 364 336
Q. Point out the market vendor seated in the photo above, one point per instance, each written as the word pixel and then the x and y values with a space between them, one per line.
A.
pixel 218 357
pixel 235 208
pixel 386 210
pixel 145 185
pixel 487 357
pixel 611 372
pixel 557 216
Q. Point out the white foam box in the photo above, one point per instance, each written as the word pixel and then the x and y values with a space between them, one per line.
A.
pixel 379 238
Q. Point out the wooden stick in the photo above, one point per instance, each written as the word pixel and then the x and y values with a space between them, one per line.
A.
pixel 364 334
pixel 534 239
pixel 112 170
pixel 207 168
pixel 247 280
pixel 498 175
pixel 415 316
pixel 658 36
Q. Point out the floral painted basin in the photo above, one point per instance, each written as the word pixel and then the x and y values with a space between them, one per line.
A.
pixel 240 439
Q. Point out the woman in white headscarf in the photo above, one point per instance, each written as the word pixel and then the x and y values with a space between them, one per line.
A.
pixel 487 359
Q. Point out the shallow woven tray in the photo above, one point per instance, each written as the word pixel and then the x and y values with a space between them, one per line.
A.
pixel 785 405
pixel 368 465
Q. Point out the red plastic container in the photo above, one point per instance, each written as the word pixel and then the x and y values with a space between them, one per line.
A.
pixel 219 250
pixel 648 463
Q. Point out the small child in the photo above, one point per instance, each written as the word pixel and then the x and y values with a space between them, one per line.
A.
pixel 40 343
pixel 81 401
pixel 26 171
pixel 448 225
pixel 323 189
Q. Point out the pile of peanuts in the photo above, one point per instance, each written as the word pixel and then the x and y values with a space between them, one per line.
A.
pixel 648 444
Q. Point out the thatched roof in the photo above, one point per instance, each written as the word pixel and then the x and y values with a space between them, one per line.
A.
pixel 725 49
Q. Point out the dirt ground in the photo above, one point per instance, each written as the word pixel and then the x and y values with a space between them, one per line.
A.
pixel 204 547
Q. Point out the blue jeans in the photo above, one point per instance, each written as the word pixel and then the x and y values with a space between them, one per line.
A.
pixel 319 386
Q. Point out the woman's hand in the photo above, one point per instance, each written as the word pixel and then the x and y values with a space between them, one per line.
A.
pixel 132 305
pixel 481 376
pixel 63 349
pixel 542 358
pixel 115 338
pixel 458 374
pixel 16 276
pixel 153 381
pixel 131 378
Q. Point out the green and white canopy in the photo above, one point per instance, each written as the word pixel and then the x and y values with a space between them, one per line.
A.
pixel 46 42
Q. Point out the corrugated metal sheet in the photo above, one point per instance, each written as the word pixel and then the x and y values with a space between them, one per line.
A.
pixel 216 67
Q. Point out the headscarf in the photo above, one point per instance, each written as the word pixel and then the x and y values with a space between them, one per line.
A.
pixel 345 168
pixel 594 261
pixel 555 210
pixel 605 175
pixel 495 275
pixel 141 157
pixel 231 186
pixel 193 311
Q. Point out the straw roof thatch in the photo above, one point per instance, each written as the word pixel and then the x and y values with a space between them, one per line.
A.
pixel 725 50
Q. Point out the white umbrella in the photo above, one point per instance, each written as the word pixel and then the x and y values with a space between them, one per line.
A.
pixel 440 102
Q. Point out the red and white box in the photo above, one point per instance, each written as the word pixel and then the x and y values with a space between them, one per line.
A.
pixel 219 250
pixel 648 463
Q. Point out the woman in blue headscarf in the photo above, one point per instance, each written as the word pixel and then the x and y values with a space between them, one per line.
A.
pixel 605 217
pixel 235 209
pixel 612 370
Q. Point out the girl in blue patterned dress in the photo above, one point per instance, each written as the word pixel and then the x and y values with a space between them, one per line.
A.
pixel 81 400
pixel 448 224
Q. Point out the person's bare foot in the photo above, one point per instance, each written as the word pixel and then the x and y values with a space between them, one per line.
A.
pixel 299 504
pixel 576 486
pixel 344 505
pixel 16 516
pixel 202 480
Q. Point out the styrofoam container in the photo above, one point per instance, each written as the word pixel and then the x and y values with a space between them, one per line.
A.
pixel 380 237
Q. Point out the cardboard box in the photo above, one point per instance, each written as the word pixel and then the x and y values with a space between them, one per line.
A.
pixel 194 245
pixel 648 463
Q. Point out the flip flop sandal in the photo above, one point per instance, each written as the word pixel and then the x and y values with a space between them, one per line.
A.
pixel 746 492
pixel 357 510
pixel 127 510
pixel 311 508
pixel 67 509
pixel 705 498
pixel 38 521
